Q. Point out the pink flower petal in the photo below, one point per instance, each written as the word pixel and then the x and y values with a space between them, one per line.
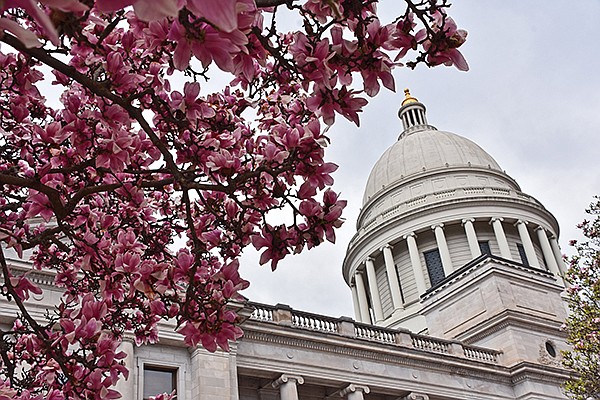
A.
pixel 28 38
pixel 40 17
pixel 113 5
pixel 66 5
pixel 153 10
pixel 222 13
pixel 458 60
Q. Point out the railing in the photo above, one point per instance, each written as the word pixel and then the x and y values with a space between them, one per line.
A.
pixel 285 315
pixel 262 312
pixel 445 193
pixel 416 201
pixel 477 353
pixel 473 190
pixel 314 322
pixel 505 192
pixel 374 333
pixel 430 344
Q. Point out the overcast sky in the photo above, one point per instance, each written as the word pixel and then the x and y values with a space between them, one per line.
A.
pixel 531 99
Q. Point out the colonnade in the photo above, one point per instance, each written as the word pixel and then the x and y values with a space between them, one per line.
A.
pixel 288 390
pixel 366 295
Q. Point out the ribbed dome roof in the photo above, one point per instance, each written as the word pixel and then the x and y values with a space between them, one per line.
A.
pixel 420 148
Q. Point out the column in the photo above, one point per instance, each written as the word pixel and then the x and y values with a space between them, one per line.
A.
pixel 287 385
pixel 415 261
pixel 392 275
pixel 354 392
pixel 127 386
pixel 440 238
pixel 374 290
pixel 527 243
pixel 558 254
pixel 471 237
pixel 355 302
pixel 501 238
pixel 547 250
pixel 364 315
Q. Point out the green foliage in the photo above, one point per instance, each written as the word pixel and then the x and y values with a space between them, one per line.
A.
pixel 583 323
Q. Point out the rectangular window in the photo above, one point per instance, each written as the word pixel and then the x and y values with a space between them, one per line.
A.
pixel 433 261
pixel 522 254
pixel 159 379
pixel 484 246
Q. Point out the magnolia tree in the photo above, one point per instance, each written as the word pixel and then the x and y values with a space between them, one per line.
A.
pixel 136 155
pixel 583 323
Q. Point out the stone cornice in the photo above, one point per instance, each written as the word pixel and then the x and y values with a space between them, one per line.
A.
pixel 434 172
pixel 479 264
pixel 514 319
pixel 367 350
pixel 541 373
pixel 41 278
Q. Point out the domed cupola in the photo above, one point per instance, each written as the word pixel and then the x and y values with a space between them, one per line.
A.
pixel 434 203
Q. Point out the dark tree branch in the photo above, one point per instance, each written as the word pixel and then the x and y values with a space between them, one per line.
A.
pixel 52 194
pixel 272 3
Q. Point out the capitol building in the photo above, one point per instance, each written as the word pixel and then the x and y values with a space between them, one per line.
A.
pixel 456 280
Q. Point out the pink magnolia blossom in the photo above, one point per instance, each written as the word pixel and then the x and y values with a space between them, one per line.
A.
pixel 32 8
pixel 222 14
pixel 212 46
pixel 147 10
pixel 446 51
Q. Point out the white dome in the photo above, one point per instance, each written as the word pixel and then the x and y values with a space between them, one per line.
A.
pixel 424 150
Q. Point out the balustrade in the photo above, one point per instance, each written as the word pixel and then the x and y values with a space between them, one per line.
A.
pixel 349 328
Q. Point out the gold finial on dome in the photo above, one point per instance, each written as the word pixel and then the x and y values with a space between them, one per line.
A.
pixel 408 98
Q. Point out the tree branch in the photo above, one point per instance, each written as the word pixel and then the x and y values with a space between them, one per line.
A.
pixel 52 194
pixel 272 3
pixel 99 90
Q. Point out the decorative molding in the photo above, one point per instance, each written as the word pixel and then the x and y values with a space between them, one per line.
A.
pixel 351 388
pixel 285 378
pixel 415 396
pixel 514 319
pixel 386 246
pixel 546 358
pixel 412 357
pixel 527 371
pixel 41 278
pixel 478 263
